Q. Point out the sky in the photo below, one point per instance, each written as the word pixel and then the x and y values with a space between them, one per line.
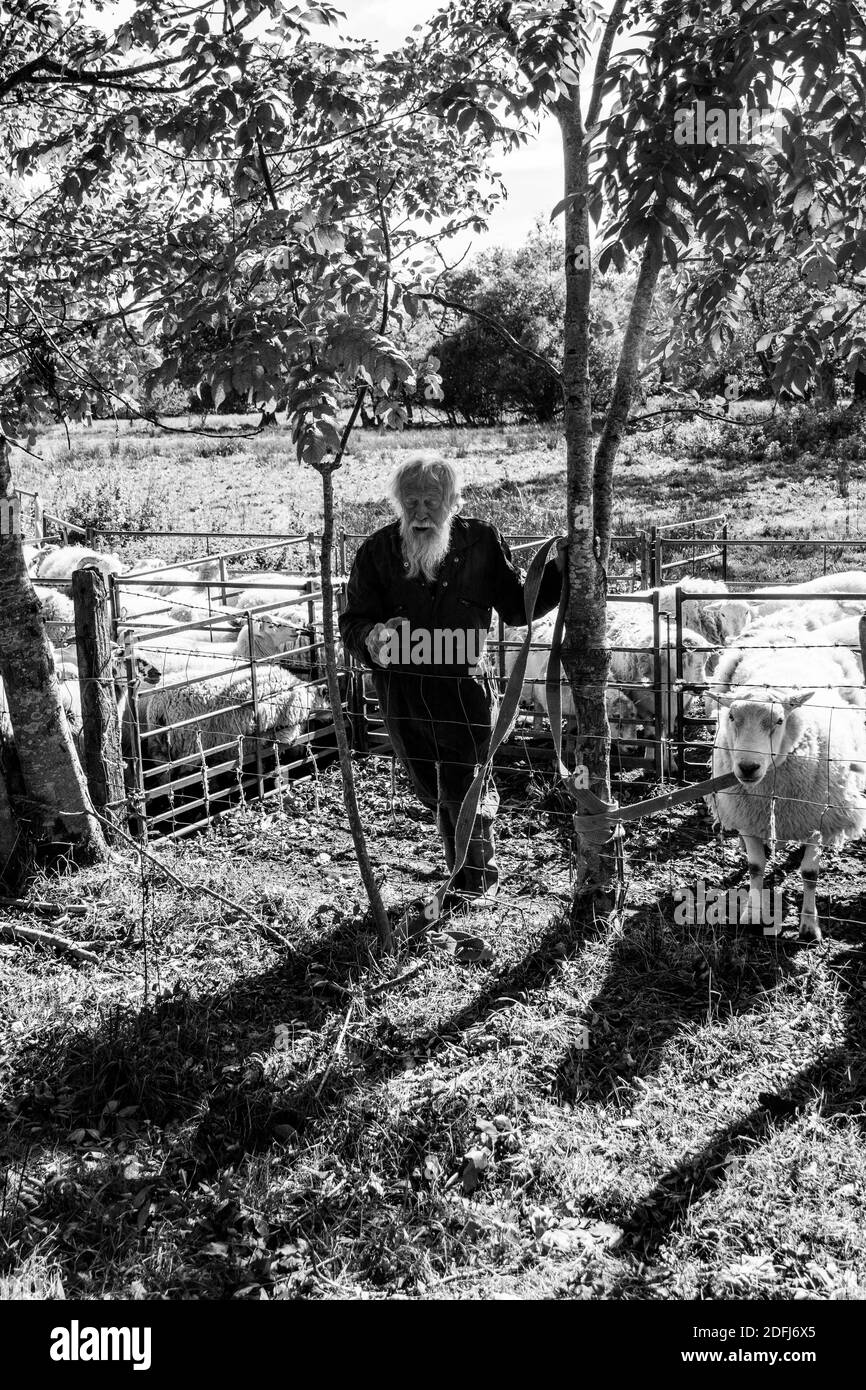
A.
pixel 533 175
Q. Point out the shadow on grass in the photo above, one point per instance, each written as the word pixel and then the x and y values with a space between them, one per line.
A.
pixel 646 1002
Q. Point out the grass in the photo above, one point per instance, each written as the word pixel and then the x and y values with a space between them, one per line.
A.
pixel 206 1115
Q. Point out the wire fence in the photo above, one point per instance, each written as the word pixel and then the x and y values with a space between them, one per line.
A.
pixel 187 770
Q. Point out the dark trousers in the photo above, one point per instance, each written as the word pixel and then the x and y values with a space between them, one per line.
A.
pixel 440 727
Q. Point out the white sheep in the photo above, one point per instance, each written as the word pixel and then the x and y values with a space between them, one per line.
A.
pixel 846 582
pixel 631 671
pixel 798 749
pixel 848 675
pixel 284 706
pixel 278 634
pixel 632 664
pixel 59 563
pixel 844 634
pixel 717 619
pixel 58 615
pixel 31 557
pixel 802 617
pixel 621 711
pixel 184 584
pixel 267 587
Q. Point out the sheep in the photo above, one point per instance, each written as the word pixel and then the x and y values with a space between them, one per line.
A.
pixel 31 555
pixel 716 619
pixel 284 706
pixel 177 582
pixel 842 635
pixel 135 604
pixel 804 617
pixel 621 710
pixel 59 563
pixel 58 615
pixel 798 750
pixel 267 587
pixel 846 582
pixel 167 659
pixel 276 634
pixel 632 671
pixel 848 675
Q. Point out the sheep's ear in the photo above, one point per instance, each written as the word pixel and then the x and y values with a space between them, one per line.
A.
pixel 792 702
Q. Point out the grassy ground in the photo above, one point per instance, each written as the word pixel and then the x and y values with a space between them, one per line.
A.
pixel 653 1112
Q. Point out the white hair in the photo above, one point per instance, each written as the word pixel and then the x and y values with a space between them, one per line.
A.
pixel 422 466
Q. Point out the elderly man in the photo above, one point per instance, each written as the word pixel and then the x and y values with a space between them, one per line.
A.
pixel 418 610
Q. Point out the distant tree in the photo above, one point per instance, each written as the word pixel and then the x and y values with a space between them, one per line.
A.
pixel 484 376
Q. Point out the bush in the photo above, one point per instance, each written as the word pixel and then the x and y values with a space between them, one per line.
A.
pixel 171 400
pixel 105 505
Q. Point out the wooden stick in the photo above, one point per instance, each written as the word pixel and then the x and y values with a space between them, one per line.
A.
pixel 46 938
pixel 49 909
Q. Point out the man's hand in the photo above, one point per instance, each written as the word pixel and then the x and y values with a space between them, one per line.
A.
pixel 561 556
pixel 379 639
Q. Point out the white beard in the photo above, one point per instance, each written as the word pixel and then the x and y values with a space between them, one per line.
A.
pixel 424 551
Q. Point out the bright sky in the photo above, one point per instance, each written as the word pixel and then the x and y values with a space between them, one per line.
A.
pixel 533 176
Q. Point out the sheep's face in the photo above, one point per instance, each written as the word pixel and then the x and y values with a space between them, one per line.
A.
pixel 725 618
pixel 622 716
pixel 759 734
pixel 274 634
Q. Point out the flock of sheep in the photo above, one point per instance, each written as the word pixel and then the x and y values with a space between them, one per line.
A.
pixel 787 676
pixel 200 679
pixel 785 673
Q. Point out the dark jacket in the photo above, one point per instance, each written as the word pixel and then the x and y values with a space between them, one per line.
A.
pixel 477 575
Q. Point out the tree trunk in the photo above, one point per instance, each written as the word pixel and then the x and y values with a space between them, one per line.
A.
pixel 8 829
pixel 57 801
pixel 380 916
pixel 586 656
pixel 825 385
pixel 625 388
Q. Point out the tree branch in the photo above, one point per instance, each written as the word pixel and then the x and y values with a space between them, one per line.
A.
pixel 610 32
pixel 497 328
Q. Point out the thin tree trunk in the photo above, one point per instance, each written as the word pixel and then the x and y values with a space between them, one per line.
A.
pixel 624 390
pixel 586 656
pixel 350 799
pixel 8 829
pixel 54 786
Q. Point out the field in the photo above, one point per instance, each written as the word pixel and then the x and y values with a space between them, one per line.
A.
pixel 650 1112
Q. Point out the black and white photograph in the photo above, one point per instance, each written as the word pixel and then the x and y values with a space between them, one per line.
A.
pixel 432 641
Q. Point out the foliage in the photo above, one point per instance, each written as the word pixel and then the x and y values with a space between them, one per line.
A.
pixel 255 197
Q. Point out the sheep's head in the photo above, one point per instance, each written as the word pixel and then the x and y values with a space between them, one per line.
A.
pixel 724 619
pixel 622 716
pixel 759 734
pixel 276 633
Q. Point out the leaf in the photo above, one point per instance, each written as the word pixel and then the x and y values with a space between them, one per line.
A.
pixel 432 1169
pixel 564 203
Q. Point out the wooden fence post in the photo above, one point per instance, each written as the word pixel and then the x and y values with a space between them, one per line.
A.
pixel 103 754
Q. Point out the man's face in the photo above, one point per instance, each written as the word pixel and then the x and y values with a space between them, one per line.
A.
pixel 424 505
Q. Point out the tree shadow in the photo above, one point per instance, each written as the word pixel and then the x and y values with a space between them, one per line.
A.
pixel 652 1010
